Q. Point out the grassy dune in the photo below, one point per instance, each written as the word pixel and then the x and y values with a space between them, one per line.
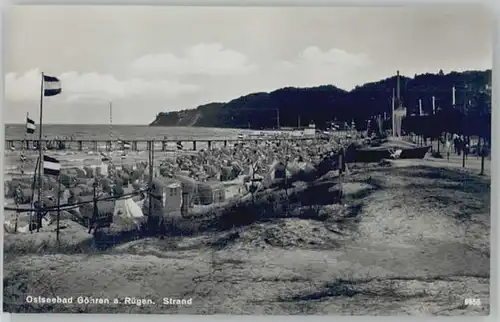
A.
pixel 405 239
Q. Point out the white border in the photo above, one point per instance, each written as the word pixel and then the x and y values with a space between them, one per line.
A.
pixel 495 201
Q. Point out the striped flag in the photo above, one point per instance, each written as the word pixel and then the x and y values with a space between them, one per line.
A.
pixel 179 145
pixel 51 86
pixel 104 158
pixel 51 166
pixel 30 126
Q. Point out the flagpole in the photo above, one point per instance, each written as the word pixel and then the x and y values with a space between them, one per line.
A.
pixel 40 164
pixel 23 148
pixel 111 125
pixel 393 119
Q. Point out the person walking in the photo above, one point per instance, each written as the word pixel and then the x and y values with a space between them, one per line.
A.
pixel 466 148
pixel 448 149
pixel 456 144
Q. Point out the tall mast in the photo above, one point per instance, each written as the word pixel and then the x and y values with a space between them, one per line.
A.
pixel 398 90
pixel 111 124
pixel 393 119
pixel 453 91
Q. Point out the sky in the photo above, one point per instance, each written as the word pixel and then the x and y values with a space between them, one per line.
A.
pixel 147 60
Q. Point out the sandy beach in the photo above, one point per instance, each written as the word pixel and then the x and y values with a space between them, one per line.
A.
pixel 390 239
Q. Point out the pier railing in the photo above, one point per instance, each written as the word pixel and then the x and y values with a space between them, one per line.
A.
pixel 138 145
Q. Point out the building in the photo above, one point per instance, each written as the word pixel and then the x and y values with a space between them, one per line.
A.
pixel 310 130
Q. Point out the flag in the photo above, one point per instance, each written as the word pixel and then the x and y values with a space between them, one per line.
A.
pixel 104 158
pixel 179 145
pixel 30 126
pixel 23 158
pixel 51 86
pixel 51 166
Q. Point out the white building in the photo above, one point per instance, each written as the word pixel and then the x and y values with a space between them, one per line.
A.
pixel 310 130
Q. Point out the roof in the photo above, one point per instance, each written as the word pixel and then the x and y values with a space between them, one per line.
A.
pixel 165 182
pixel 211 185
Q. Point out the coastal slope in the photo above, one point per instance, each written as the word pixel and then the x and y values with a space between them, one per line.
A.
pixel 326 103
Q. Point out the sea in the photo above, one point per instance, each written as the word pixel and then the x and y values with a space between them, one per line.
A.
pixel 122 132
pixel 105 133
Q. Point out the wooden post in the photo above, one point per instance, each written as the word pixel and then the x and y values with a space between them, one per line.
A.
pixel 463 156
pixel 225 143
pixel 194 145
pixel 150 187
pixel 483 154
pixel 341 172
pixel 209 145
pixel 164 145
pixel 80 145
pixel 58 209
pixel 96 210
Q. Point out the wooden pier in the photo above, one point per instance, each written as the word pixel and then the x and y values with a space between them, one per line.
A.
pixel 140 145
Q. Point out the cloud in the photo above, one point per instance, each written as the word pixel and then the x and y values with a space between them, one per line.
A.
pixel 314 66
pixel 93 86
pixel 334 57
pixel 202 59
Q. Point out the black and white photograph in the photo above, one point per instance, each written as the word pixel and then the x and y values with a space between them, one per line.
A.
pixel 247 160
